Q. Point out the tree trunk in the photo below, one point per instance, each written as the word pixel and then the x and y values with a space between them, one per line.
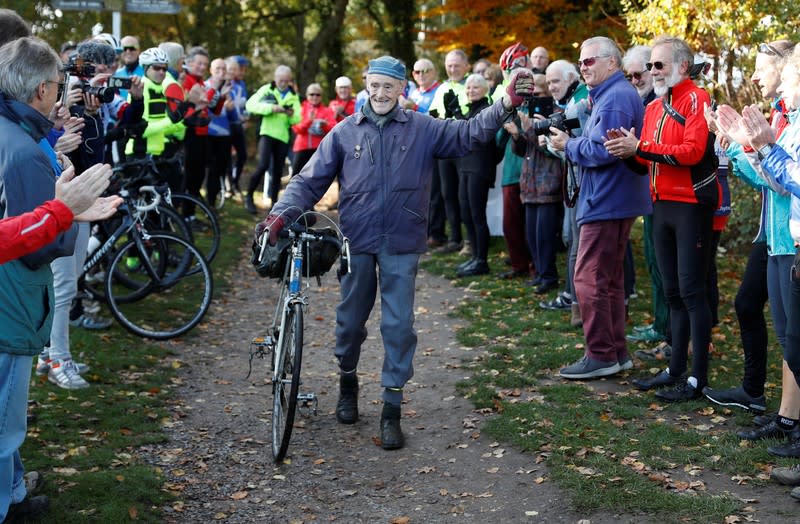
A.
pixel 315 49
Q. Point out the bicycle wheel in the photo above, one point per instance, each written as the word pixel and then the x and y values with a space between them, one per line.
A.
pixel 177 281
pixel 204 226
pixel 288 357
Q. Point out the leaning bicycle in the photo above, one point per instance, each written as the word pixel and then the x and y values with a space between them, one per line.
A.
pixel 300 253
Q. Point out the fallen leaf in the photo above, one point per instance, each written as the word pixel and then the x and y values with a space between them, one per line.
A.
pixel 239 495
pixel 133 513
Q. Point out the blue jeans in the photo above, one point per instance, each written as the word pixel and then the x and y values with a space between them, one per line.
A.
pixel 396 275
pixel 15 375
pixel 541 227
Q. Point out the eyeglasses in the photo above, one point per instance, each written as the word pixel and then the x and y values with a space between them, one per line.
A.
pixel 656 65
pixel 589 62
pixel 420 71
pixel 60 85
pixel 636 75
pixel 769 49
pixel 314 94
pixel 130 48
pixel 159 68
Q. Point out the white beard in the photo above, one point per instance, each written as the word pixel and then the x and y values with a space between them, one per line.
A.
pixel 672 80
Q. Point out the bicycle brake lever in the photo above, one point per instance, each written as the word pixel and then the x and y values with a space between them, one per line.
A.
pixel 263 242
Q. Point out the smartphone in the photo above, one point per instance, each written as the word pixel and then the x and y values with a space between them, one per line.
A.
pixel 119 82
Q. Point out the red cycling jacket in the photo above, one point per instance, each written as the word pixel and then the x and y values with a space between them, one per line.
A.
pixel 23 234
pixel 199 119
pixel 680 155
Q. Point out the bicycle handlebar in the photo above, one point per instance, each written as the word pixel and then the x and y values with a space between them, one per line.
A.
pixel 144 208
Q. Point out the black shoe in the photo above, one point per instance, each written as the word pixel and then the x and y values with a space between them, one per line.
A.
pixel 682 392
pixel 736 397
pixel 763 420
pixel 508 275
pixel 771 430
pixel 545 287
pixel 661 380
pixel 29 508
pixel 464 265
pixel 249 205
pixel 347 406
pixel 478 267
pixel 789 449
pixel 391 434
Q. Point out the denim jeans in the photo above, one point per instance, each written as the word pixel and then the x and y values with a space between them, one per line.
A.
pixel 15 375
pixel 66 271
pixel 396 275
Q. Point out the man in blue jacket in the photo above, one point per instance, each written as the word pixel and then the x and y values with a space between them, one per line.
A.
pixel 383 156
pixel 611 197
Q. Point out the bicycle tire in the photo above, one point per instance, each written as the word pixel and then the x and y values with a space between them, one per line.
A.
pixel 288 360
pixel 179 291
pixel 207 239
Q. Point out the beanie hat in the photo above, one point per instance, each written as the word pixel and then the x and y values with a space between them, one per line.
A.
pixel 343 81
pixel 388 66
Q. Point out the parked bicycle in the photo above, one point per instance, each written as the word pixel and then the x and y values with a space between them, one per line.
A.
pixel 299 254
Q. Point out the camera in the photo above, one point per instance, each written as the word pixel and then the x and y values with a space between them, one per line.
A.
pixel 118 82
pixel 103 93
pixel 557 120
pixel 79 67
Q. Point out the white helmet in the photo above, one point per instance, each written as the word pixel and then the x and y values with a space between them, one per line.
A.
pixel 108 38
pixel 153 55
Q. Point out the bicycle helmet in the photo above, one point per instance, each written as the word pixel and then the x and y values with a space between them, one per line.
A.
pixel 514 56
pixel 108 38
pixel 151 56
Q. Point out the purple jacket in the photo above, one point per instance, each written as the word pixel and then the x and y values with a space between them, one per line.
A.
pixel 609 189
pixel 385 175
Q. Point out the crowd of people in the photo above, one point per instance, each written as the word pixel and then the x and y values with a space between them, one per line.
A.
pixel 585 150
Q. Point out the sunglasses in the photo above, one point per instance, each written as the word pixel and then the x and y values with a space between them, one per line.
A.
pixel 420 71
pixel 654 65
pixel 314 94
pixel 589 62
pixel 158 68
pixel 635 76
pixel 769 49
pixel 130 48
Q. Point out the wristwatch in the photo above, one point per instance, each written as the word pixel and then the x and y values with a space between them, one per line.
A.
pixel 765 151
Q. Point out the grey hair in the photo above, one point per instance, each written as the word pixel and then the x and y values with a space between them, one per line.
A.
pixel 477 79
pixel 607 47
pixel 639 53
pixel 196 51
pixel 12 26
pixel 460 53
pixel 567 70
pixel 283 69
pixel 427 64
pixel 24 64
pixel 174 52
pixel 680 49
pixel 97 52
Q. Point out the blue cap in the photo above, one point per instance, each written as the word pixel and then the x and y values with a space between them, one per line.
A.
pixel 242 61
pixel 389 66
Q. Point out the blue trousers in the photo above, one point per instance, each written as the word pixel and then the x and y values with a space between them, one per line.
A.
pixel 15 375
pixel 396 275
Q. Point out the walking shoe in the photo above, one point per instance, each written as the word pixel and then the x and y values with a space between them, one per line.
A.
pixel 643 327
pixel 661 352
pixel 34 482
pixel 449 247
pixel 476 268
pixel 93 323
pixel 391 434
pixel 513 273
pixel 682 392
pixel 648 335
pixel 736 397
pixel 588 367
pixel 249 205
pixel 65 375
pixel 465 264
pixel 545 287
pixel 787 476
pixel 43 366
pixel 789 449
pixel 763 420
pixel 575 319
pixel 433 243
pixel 29 508
pixel 626 364
pixel 562 301
pixel 661 380
pixel 347 406
pixel 795 493
pixel 771 430
pixel 466 250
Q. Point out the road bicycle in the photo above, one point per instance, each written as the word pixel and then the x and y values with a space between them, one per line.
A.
pixel 300 253
pixel 157 284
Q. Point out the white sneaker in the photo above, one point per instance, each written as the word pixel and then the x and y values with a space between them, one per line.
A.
pixel 64 374
pixel 43 366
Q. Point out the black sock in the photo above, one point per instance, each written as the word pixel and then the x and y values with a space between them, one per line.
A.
pixel 786 424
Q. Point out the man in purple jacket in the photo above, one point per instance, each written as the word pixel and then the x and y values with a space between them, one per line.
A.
pixel 383 156
pixel 611 197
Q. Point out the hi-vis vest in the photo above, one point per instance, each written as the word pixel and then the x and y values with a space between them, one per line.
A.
pixel 159 126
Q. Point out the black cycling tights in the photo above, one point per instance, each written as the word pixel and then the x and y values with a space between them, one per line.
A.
pixel 682 238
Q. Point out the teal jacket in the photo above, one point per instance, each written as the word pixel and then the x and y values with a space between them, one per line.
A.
pixel 775 205
pixel 275 125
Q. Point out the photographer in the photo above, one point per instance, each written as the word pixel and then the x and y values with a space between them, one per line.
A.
pixel 540 185
pixel 279 107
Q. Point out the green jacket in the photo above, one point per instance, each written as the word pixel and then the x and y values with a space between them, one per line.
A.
pixel 159 124
pixel 275 125
pixel 438 99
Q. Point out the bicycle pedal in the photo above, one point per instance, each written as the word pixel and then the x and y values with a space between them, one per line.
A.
pixel 307 403
pixel 262 342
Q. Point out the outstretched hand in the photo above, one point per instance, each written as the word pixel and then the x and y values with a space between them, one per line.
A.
pixel 622 143
pixel 80 193
pixel 520 87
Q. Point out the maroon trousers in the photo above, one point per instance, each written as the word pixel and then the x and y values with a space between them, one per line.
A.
pixel 514 230
pixel 600 287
